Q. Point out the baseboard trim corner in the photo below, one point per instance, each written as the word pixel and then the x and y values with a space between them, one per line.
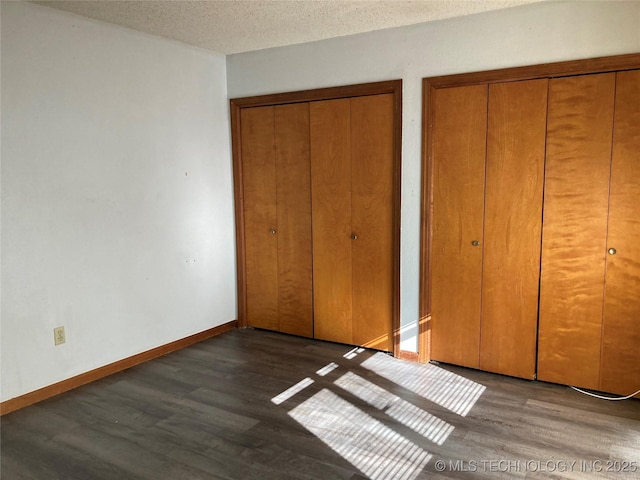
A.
pixel 410 356
pixel 49 391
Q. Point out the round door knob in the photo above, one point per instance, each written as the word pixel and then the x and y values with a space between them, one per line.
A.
pixel 475 243
pixel 272 231
pixel 354 236
pixel 612 251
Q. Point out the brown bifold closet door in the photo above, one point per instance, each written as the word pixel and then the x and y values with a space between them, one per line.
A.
pixel 372 209
pixel 516 135
pixel 458 150
pixel 352 197
pixel 293 193
pixel 578 163
pixel 277 213
pixel 260 216
pixel 620 369
pixel 331 201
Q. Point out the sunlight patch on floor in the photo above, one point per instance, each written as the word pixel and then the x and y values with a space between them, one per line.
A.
pixel 291 391
pixel 327 369
pixel 420 421
pixel 451 391
pixel 375 449
pixel 353 352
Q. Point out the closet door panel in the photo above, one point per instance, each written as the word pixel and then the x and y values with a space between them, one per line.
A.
pixel 621 332
pixel 458 149
pixel 261 246
pixel 293 187
pixel 372 220
pixel 331 210
pixel 512 230
pixel 580 122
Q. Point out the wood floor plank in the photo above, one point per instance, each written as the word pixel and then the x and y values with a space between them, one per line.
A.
pixel 208 412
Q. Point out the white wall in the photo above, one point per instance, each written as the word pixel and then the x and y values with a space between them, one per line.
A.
pixel 117 202
pixel 532 34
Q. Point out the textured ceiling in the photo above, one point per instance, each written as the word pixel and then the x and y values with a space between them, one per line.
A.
pixel 233 26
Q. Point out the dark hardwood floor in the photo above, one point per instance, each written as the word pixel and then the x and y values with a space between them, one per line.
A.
pixel 251 404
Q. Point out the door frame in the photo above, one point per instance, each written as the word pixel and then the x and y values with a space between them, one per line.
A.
pixel 429 85
pixel 236 105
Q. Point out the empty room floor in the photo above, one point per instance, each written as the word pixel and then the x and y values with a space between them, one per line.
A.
pixel 251 404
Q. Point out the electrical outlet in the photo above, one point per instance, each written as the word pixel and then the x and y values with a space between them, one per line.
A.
pixel 58 335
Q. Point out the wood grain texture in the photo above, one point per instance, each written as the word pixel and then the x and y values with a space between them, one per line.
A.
pixel 620 370
pixel 260 216
pixel 546 70
pixel 50 391
pixel 330 93
pixel 331 209
pixel 206 412
pixel 293 187
pixel 372 208
pixel 459 144
pixel 430 86
pixel 238 105
pixel 516 136
pixel 238 200
pixel 580 122
pixel 426 222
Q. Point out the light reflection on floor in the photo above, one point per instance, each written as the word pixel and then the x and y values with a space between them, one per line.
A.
pixel 377 450
pixel 291 391
pixel 436 384
pixel 422 422
pixel 353 352
pixel 373 448
pixel 327 369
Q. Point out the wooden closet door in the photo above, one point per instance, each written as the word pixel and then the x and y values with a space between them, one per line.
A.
pixel 458 149
pixel 372 220
pixel 293 190
pixel 260 216
pixel 512 227
pixel 331 209
pixel 620 370
pixel 580 121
